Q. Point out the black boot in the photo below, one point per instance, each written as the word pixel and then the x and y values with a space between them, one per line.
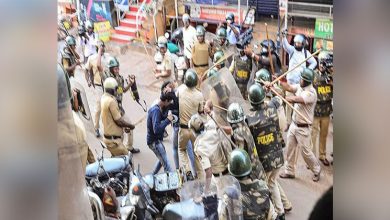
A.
pixel 280 217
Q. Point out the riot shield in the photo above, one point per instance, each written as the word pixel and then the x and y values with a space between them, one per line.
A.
pixel 72 192
pixel 222 90
pixel 220 201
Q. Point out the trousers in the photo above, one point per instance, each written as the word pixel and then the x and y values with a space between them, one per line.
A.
pixel 185 136
pixel 116 147
pixel 99 93
pixel 278 196
pixel 299 138
pixel 320 125
pixel 158 149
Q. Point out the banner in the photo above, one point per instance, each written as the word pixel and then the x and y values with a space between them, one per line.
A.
pixel 103 30
pixel 214 12
pixel 95 10
pixel 323 34
pixel 123 5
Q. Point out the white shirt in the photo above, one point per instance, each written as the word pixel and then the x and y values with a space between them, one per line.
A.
pixel 297 57
pixel 189 38
pixel 231 37
pixel 90 45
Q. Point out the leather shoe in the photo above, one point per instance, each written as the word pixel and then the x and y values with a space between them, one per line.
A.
pixel 281 217
pixel 286 176
pixel 317 176
pixel 135 150
pixel 97 133
pixel 325 162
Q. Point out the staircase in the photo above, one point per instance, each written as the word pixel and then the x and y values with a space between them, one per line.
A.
pixel 127 29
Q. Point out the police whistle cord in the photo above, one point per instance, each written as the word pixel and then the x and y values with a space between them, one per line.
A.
pixel 298 65
pixel 217 63
pixel 134 91
pixel 223 132
pixel 269 51
pixel 288 103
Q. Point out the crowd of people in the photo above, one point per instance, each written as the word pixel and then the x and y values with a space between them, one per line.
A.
pixel 228 106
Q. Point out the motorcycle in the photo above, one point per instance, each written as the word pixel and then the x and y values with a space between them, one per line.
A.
pixel 150 194
pixel 219 200
pixel 108 181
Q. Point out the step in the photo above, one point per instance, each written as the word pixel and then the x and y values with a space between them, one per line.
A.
pixel 133 8
pixel 120 38
pixel 133 15
pixel 126 31
pixel 131 23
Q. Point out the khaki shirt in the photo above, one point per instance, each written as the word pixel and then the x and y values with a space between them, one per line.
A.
pixel 309 96
pixel 110 113
pixel 92 64
pixel 208 147
pixel 190 103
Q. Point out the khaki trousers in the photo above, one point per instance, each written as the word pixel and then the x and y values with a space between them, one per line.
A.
pixel 116 147
pixel 286 203
pixel 99 93
pixel 186 135
pixel 274 187
pixel 289 110
pixel 129 140
pixel 299 138
pixel 200 71
pixel 320 125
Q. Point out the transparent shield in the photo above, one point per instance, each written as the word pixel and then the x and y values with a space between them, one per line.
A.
pixel 220 201
pixel 222 90
pixel 71 180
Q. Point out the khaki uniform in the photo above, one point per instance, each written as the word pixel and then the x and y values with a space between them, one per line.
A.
pixel 119 97
pixel 200 58
pixel 97 80
pixel 82 136
pixel 110 113
pixel 208 149
pixel 324 87
pixel 67 58
pixel 190 103
pixel 281 111
pixel 298 136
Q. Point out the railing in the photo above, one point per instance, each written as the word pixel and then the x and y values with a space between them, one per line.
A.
pixel 310 10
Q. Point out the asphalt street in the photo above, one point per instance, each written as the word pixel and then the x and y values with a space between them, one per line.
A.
pixel 302 191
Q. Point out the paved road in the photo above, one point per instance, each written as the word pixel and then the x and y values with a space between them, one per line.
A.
pixel 302 191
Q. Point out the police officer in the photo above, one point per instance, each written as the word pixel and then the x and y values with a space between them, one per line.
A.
pixel 164 70
pixel 88 41
pixel 297 54
pixel 264 125
pixel 113 119
pixel 299 133
pixel 263 60
pixel 190 103
pixel 70 145
pixel 95 66
pixel 243 139
pixel 220 43
pixel 261 76
pixel 200 52
pixel 323 83
pixel 255 195
pixel 189 38
pixel 113 71
pixel 233 32
pixel 241 69
pixel 70 58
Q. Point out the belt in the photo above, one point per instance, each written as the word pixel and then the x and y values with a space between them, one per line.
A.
pixel 202 65
pixel 112 137
pixel 221 173
pixel 302 125
pixel 183 126
pixel 98 85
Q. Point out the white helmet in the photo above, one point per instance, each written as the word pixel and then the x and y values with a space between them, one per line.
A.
pixel 162 41
pixel 186 18
pixel 110 83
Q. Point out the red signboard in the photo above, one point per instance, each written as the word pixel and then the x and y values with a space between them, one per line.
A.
pixel 213 12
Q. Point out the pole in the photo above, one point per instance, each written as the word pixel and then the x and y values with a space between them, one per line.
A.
pixel 269 51
pixel 177 14
pixel 223 132
pixel 285 16
pixel 289 104
pixel 220 61
pixel 219 107
pixel 298 65
pixel 239 10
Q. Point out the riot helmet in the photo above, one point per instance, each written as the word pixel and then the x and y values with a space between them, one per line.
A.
pixel 110 85
pixel 239 163
pixel 70 41
pixel 264 75
pixel 264 47
pixel 325 59
pixel 196 124
pixel 211 73
pixel 190 78
pixel 235 113
pixel 230 17
pixel 299 42
pixel 307 75
pixel 221 35
pixel 256 95
pixel 186 19
pixel 162 42
pixel 217 56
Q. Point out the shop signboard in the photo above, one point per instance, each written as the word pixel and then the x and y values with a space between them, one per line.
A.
pixel 323 34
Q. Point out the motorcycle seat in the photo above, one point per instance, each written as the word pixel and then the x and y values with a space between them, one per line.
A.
pixel 111 165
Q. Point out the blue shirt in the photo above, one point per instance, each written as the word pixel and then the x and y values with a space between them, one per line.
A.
pixel 231 37
pixel 156 124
